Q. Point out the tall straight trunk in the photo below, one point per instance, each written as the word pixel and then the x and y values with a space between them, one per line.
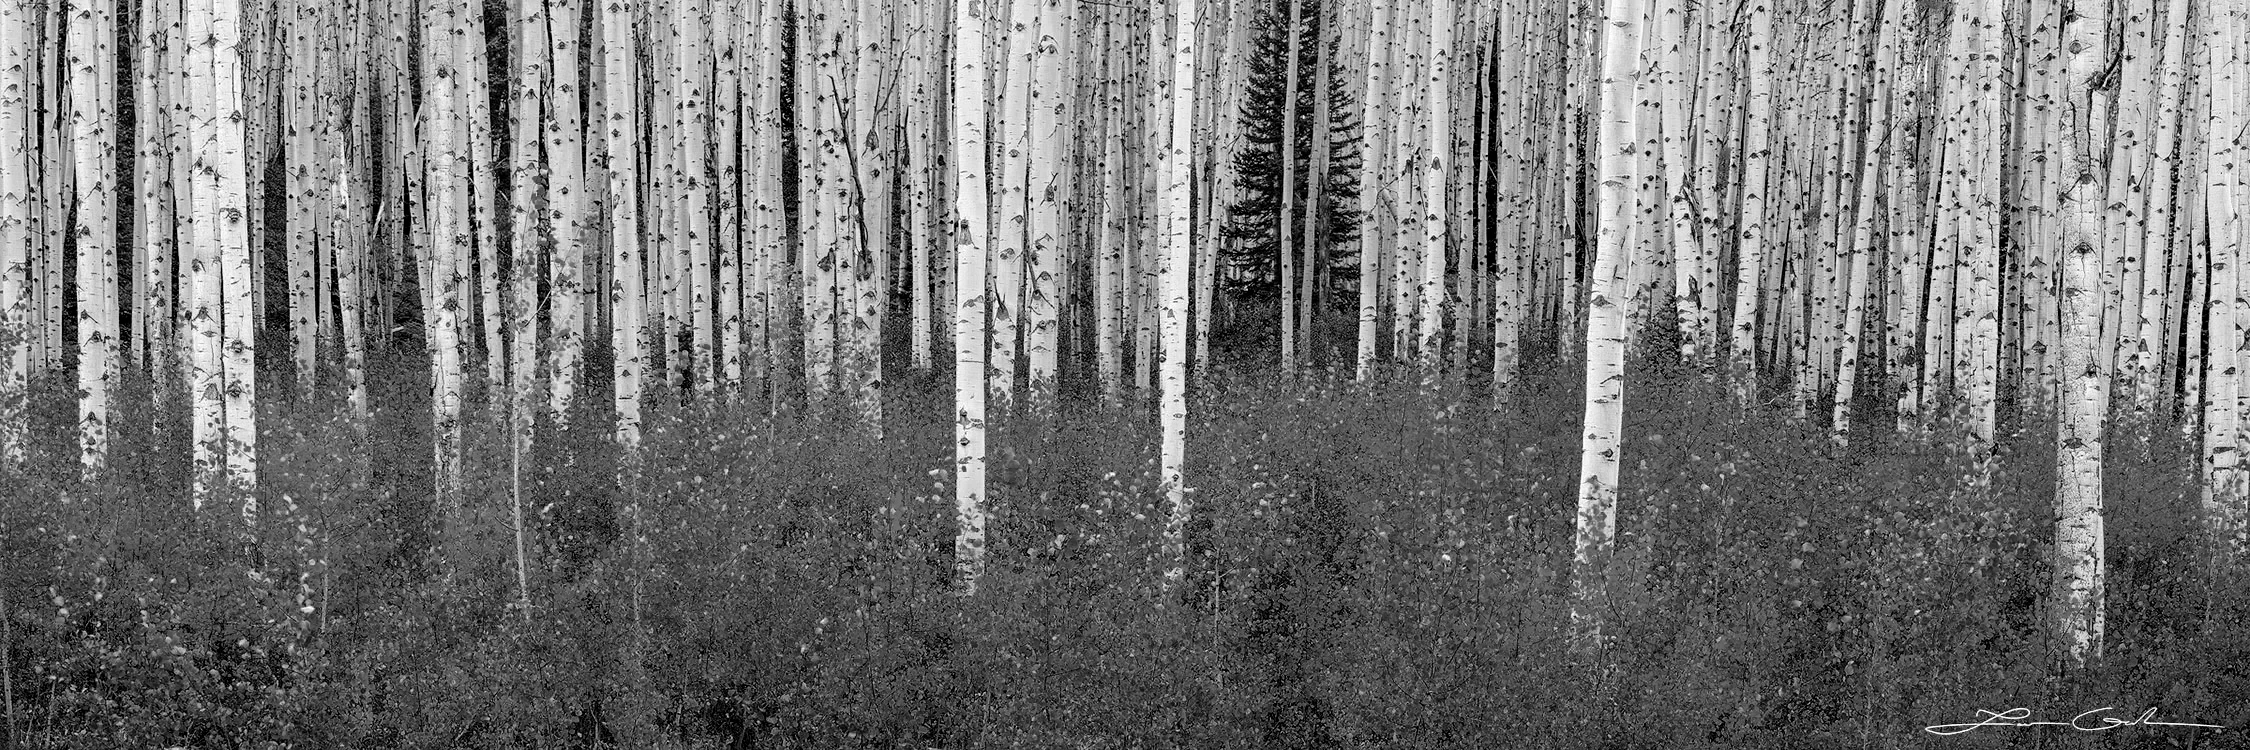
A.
pixel 1178 236
pixel 1313 253
pixel 449 241
pixel 765 132
pixel 300 194
pixel 525 115
pixel 1863 237
pixel 969 104
pixel 923 76
pixel 1436 220
pixel 1605 331
pixel 568 197
pixel 349 273
pixel 231 190
pixel 1284 229
pixel 695 221
pixel 484 202
pixel 1370 187
pixel 2224 191
pixel 627 288
pixel 18 161
pixel 2085 399
pixel 726 243
pixel 1109 253
pixel 92 51
pixel 1045 261
pixel 205 306
pixel 2153 353
pixel 1011 235
pixel 1757 152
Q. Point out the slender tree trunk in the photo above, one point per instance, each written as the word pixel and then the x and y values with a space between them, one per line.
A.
pixel 2223 193
pixel 1436 221
pixel 2085 401
pixel 1178 247
pixel 969 121
pixel 1757 152
pixel 1370 187
pixel 1605 334
pixel 567 201
pixel 17 236
pixel 93 53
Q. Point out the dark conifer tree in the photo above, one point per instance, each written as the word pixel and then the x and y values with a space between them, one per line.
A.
pixel 1253 252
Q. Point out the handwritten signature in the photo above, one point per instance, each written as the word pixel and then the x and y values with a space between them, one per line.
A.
pixel 2014 717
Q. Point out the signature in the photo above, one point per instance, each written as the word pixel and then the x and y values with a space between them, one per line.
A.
pixel 2085 722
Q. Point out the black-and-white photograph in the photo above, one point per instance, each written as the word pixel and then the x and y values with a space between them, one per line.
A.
pixel 1124 374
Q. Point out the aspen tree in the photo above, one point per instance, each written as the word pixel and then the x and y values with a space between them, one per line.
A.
pixel 1407 149
pixel 627 288
pixel 1436 221
pixel 1874 150
pixel 349 276
pixel 152 219
pixel 1979 320
pixel 725 116
pixel 234 253
pixel 968 102
pixel 1178 236
pixel 1370 187
pixel 1605 335
pixel 524 116
pixel 449 242
pixel 300 194
pixel 691 25
pixel 1011 233
pixel 17 237
pixel 1687 288
pixel 481 267
pixel 2085 401
pixel 92 49
pixel 2223 186
pixel 1109 253
pixel 567 201
pixel 922 79
pixel 2153 354
pixel 865 232
pixel 1049 136
pixel 1312 283
pixel 1757 153
pixel 200 263
pixel 1287 202
pixel 766 130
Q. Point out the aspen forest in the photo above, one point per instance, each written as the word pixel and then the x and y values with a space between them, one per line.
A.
pixel 1196 374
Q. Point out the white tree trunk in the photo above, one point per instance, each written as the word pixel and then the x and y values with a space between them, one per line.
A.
pixel 1370 186
pixel 969 121
pixel 1605 329
pixel 16 215
pixel 627 289
pixel 1178 237
pixel 92 49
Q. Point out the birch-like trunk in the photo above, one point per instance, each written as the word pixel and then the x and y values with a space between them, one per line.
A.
pixel 970 233
pixel 17 211
pixel 567 201
pixel 1178 236
pixel 1757 152
pixel 1436 220
pixel 2223 187
pixel 1605 331
pixel 1371 185
pixel 92 44
pixel 2085 398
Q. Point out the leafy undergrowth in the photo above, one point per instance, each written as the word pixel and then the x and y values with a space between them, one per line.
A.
pixel 1372 568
